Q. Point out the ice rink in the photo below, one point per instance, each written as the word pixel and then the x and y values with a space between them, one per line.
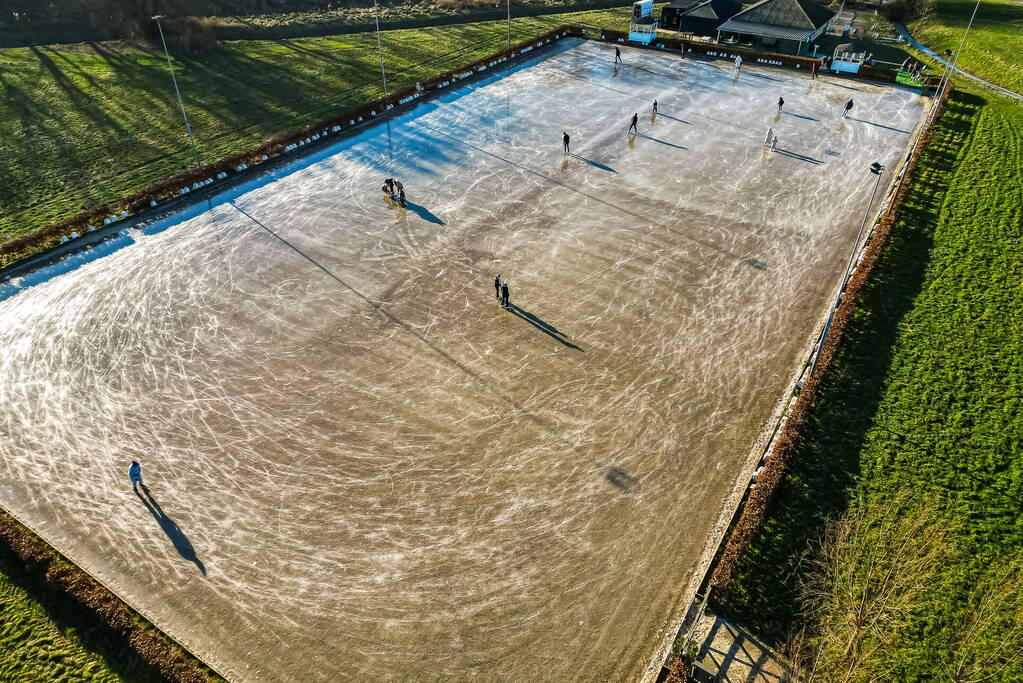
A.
pixel 361 467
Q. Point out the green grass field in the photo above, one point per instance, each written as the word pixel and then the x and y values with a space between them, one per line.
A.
pixel 994 49
pixel 925 398
pixel 84 125
pixel 44 638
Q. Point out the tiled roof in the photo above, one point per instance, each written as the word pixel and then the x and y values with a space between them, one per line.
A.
pixel 792 14
pixel 767 30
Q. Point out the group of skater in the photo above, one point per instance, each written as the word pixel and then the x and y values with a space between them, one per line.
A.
pixel 501 290
pixel 566 139
pixel 771 140
pixel 394 191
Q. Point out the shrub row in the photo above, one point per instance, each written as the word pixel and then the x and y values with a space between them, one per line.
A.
pixel 52 235
pixel 761 496
pixel 166 657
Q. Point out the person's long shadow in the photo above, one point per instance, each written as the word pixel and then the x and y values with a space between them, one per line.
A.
pixel 663 142
pixel 591 162
pixel 879 125
pixel 171 528
pixel 544 327
pixel 674 118
pixel 794 155
pixel 801 116
pixel 766 78
pixel 423 213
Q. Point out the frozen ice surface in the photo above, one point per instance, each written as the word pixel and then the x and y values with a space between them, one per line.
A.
pixel 361 466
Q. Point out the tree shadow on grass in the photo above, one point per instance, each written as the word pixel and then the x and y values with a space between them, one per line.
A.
pixel 823 472
pixel 77 622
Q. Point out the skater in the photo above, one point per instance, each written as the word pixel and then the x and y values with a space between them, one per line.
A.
pixel 135 474
pixel 848 108
pixel 504 294
pixel 635 123
pixel 401 198
pixel 738 62
pixel 770 136
pixel 618 56
pixel 655 106
pixel 774 143
pixel 781 104
pixel 497 286
pixel 813 72
pixel 565 140
pixel 388 187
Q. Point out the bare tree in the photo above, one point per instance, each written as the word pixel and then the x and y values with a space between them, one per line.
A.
pixel 862 585
pixel 987 637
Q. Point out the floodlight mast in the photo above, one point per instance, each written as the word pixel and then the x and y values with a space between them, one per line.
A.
pixel 380 49
pixel 955 60
pixel 876 169
pixel 177 91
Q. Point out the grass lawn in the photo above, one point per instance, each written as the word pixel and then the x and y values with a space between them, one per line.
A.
pixel 994 49
pixel 43 638
pixel 926 396
pixel 83 125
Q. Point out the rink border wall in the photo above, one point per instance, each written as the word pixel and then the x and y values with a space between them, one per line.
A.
pixel 169 658
pixel 761 491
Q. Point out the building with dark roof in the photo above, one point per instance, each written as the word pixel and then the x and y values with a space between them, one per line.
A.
pixel 781 25
pixel 671 12
pixel 705 18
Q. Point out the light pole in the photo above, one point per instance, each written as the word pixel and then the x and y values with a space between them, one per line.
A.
pixel 380 50
pixel 876 169
pixel 184 115
pixel 509 23
pixel 946 73
pixel 955 59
